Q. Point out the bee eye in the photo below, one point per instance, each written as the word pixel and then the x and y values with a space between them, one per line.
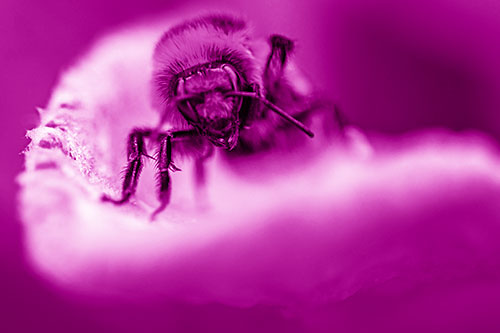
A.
pixel 197 99
pixel 232 76
pixel 188 111
pixel 186 103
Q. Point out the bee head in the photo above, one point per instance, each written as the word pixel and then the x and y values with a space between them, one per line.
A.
pixel 204 100
pixel 195 64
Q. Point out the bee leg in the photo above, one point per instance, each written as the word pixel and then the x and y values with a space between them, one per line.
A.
pixel 164 164
pixel 200 176
pixel 281 47
pixel 135 151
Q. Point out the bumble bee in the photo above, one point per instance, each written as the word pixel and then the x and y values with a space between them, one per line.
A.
pixel 214 89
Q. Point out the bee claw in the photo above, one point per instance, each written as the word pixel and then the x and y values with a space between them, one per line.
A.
pixel 157 211
pixel 152 217
pixel 173 168
pixel 149 156
pixel 106 198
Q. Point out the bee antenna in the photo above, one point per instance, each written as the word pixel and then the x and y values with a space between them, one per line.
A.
pixel 274 108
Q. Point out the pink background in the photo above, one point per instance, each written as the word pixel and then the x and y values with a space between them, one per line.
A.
pixel 394 67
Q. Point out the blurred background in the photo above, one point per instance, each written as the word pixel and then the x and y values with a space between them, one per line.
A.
pixel 394 66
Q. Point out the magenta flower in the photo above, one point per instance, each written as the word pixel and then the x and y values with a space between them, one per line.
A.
pixel 305 232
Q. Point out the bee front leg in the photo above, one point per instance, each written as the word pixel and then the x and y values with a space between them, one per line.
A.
pixel 164 165
pixel 200 176
pixel 281 47
pixel 135 151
